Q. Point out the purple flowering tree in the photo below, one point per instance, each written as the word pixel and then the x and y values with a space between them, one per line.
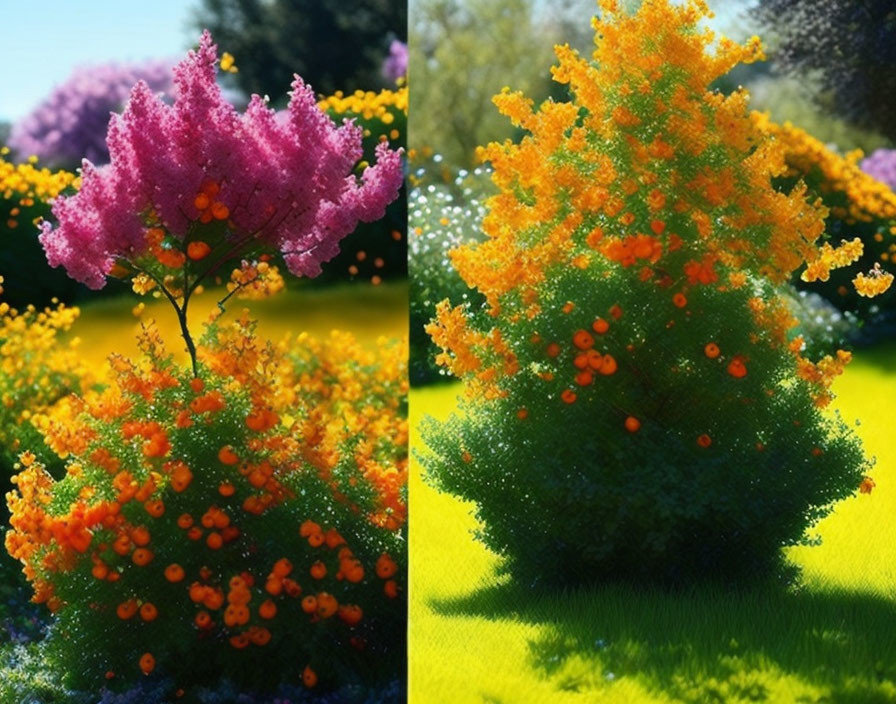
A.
pixel 395 65
pixel 195 185
pixel 71 123
pixel 881 164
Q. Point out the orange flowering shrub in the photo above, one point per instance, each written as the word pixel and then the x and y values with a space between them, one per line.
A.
pixel 636 404
pixel 250 521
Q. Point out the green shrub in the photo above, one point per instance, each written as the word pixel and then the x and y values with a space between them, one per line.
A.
pixel 251 522
pixel 636 404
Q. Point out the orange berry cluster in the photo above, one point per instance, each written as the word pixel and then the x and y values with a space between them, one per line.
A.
pixel 207 206
pixel 186 503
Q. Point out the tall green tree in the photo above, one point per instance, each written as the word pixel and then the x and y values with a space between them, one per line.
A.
pixel 463 51
pixel 333 45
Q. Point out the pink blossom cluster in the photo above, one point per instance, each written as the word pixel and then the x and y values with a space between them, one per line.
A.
pixel 283 183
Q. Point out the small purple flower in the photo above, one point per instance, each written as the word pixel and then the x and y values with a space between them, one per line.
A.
pixel 396 64
pixel 881 164
pixel 70 125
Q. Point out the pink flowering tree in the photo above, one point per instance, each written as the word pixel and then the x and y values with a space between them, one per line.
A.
pixel 196 185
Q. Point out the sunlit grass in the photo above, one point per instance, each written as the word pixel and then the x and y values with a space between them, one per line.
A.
pixel 475 638
pixel 367 311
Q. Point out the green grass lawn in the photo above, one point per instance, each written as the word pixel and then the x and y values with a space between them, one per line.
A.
pixel 478 638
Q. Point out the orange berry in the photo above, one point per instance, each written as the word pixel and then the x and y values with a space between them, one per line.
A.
pixel 259 636
pixel 203 620
pixel 227 456
pixel 282 567
pixel 140 536
pixel 142 557
pixel 737 368
pixel 318 570
pixel 315 540
pixel 148 612
pixel 268 609
pixel 704 440
pixel 584 378
pixel 309 604
pixel 202 201
pixel 679 300
pixel 333 539
pixel 214 540
pixel 174 573
pixel 292 588
pixel 385 567
pixel 608 365
pixel 327 605
pixel 582 340
pixel 711 350
pixel 568 396
pixel 632 424
pixel 239 642
pixel 616 312
pixel 309 677
pixel 100 571
pixel 600 326
pixel 198 250
pixel 126 609
pixel 350 614
pixel 391 589
pixel 308 527
pixel 147 663
pixel 210 188
pixel 196 384
pixel 155 508
pixel 220 211
pixel 522 414
pixel 553 349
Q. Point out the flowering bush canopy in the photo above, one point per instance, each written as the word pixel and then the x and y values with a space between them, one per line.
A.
pixel 632 270
pixel 249 522
pixel 860 209
pixel 199 173
pixel 37 371
pixel 881 165
pixel 374 251
pixel 395 65
pixel 71 123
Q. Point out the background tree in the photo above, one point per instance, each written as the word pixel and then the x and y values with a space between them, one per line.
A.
pixel 463 51
pixel 847 47
pixel 331 44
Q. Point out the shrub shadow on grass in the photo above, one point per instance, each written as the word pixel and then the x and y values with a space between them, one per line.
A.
pixel 705 644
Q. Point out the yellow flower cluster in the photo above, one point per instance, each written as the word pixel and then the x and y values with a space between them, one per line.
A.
pixel 368 104
pixel 228 63
pixel 867 198
pixel 255 280
pixel 829 258
pixel 820 374
pixel 384 107
pixel 37 368
pixel 875 283
pixel 28 183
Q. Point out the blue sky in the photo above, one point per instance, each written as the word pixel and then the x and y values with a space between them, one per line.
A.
pixel 43 41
